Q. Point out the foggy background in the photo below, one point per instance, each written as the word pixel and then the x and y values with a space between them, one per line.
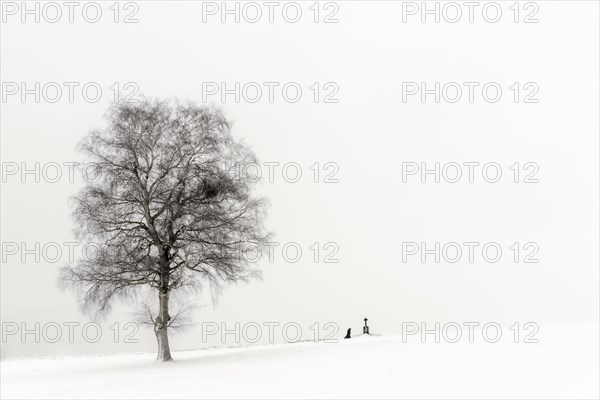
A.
pixel 368 134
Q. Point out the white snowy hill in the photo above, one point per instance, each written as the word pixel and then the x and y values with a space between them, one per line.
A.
pixel 366 367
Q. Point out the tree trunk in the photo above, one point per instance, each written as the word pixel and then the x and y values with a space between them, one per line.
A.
pixel 160 328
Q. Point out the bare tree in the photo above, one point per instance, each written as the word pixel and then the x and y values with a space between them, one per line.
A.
pixel 170 208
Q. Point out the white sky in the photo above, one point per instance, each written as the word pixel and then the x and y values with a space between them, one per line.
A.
pixel 369 133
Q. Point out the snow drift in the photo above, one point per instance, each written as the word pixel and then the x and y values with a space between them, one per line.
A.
pixel 366 367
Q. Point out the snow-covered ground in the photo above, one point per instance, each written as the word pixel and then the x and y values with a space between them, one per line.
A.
pixel 375 367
